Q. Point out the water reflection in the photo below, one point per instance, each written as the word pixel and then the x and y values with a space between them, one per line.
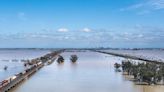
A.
pixel 74 67
pixel 60 65
pixel 93 72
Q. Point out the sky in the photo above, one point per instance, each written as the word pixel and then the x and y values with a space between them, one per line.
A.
pixel 81 23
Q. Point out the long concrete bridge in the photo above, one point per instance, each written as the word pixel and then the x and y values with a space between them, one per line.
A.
pixel 130 57
pixel 36 64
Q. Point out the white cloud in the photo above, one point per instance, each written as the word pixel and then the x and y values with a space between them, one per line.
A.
pixel 157 4
pixel 66 37
pixel 143 12
pixel 22 16
pixel 132 7
pixel 145 7
pixel 138 34
pixel 86 30
pixel 62 30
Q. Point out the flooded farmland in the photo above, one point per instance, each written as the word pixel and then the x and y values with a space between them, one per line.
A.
pixel 81 45
pixel 93 72
pixel 14 60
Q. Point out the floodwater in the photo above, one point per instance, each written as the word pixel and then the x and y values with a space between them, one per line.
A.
pixel 154 54
pixel 93 72
pixel 12 59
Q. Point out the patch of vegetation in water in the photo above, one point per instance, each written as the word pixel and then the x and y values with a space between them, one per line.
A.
pixel 143 73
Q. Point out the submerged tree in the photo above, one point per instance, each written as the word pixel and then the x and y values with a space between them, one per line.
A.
pixel 127 66
pixel 117 66
pixel 60 59
pixel 73 58
pixel 161 72
pixel 149 72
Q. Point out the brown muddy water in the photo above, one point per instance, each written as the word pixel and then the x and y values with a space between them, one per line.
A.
pixel 93 72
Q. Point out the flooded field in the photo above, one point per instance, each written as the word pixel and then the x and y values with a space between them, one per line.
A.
pixel 93 72
pixel 147 54
pixel 13 60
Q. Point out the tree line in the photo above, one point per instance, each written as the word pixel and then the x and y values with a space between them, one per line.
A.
pixel 143 72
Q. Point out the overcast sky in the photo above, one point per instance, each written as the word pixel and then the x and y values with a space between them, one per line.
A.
pixel 81 23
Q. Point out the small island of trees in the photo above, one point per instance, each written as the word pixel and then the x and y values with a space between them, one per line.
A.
pixel 60 59
pixel 73 58
pixel 143 72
